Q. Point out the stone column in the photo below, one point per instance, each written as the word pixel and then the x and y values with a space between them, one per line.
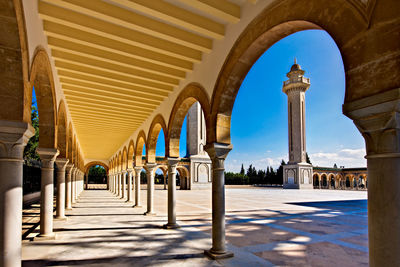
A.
pixel 47 157
pixel 119 194
pixel 68 196
pixel 138 170
pixel 130 198
pixel 114 184
pixel 150 189
pixel 172 164
pixel 60 208
pixel 73 185
pixel 123 180
pixel 13 138
pixel 378 119
pixel 165 179
pixel 218 153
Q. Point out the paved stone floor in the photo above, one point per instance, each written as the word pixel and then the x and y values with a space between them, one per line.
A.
pixel 265 227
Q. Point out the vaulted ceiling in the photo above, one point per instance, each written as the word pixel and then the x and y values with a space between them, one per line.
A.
pixel 117 60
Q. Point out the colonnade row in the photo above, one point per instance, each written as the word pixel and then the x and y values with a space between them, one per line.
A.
pixel 126 184
pixel 321 182
pixel 70 182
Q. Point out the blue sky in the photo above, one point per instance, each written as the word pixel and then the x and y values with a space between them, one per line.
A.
pixel 259 118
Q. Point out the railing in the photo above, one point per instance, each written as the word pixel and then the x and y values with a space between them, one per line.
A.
pixel 298 79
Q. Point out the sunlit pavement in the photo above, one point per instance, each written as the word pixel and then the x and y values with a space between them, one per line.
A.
pixel 264 227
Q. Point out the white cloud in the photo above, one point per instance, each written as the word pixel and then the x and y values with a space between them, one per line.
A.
pixel 345 157
pixel 342 157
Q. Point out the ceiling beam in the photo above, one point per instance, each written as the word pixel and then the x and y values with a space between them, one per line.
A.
pixel 94 53
pixel 118 69
pixel 111 76
pixel 73 89
pixel 108 89
pixel 105 104
pixel 92 40
pixel 176 15
pixel 223 9
pixel 66 17
pixel 94 109
pixel 121 85
pixel 95 106
pixel 133 20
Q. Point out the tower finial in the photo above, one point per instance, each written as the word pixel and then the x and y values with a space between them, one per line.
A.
pixel 295 60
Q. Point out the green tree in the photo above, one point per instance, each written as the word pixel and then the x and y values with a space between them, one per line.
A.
pixel 242 170
pixel 30 153
pixel 97 175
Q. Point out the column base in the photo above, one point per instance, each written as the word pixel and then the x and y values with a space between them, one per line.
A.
pixel 40 237
pixel 60 218
pixel 136 206
pixel 69 208
pixel 216 256
pixel 149 214
pixel 171 226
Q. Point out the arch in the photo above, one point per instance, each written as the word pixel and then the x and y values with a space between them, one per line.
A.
pixel 131 152
pixel 331 180
pixel 316 179
pixel 94 163
pixel 42 79
pixel 324 180
pixel 157 124
pixel 140 142
pixel 124 163
pixel 273 24
pixel 62 130
pixel 14 92
pixel 192 93
pixel 183 170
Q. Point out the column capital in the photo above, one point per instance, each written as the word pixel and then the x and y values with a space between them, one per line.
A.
pixel 13 138
pixel 377 118
pixel 69 166
pixel 150 166
pixel 173 161
pixel 124 172
pixel 218 150
pixel 47 156
pixel 62 163
pixel 129 170
pixel 138 168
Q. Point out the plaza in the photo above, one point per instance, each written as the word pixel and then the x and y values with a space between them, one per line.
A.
pixel 265 227
pixel 108 77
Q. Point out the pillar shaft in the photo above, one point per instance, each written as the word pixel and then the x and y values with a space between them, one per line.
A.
pixel 73 182
pixel 68 197
pixel 13 138
pixel 130 171
pixel 47 156
pixel 138 170
pixel 119 184
pixel 218 153
pixel 172 164
pixel 378 119
pixel 150 188
pixel 60 208
pixel 123 180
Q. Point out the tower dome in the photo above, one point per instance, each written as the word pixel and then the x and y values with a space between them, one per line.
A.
pixel 295 66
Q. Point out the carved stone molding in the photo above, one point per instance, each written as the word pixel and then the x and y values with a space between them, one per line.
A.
pixel 47 156
pixel 218 153
pixel 13 138
pixel 62 164
pixel 378 119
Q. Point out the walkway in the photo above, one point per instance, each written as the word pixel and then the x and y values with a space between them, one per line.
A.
pixel 264 227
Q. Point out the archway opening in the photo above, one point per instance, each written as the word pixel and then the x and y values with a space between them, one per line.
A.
pixel 97 178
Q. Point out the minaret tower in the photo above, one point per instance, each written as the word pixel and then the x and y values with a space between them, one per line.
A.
pixel 297 173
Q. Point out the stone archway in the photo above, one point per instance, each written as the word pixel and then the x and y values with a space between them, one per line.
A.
pixel 156 126
pixel 191 94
